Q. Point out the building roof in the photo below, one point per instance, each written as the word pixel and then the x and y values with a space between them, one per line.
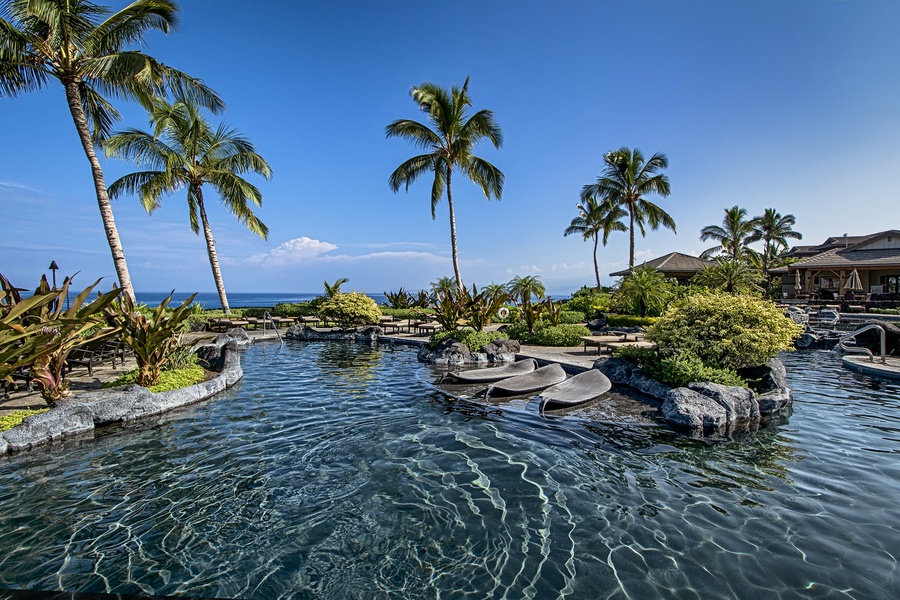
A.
pixel 673 262
pixel 863 253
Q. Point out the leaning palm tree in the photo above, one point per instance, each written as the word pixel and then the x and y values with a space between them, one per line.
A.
pixel 773 230
pixel 625 180
pixel 82 46
pixel 449 143
pixel 334 289
pixel 184 151
pixel 596 218
pixel 734 236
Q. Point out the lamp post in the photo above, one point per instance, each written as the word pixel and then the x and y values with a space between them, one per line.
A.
pixel 54 267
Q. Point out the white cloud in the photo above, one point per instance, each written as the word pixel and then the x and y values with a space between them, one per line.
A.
pixel 293 251
pixel 567 267
pixel 642 256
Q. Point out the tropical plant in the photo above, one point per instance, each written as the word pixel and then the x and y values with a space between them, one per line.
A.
pixel 295 309
pixel 350 310
pixel 729 275
pixel 445 284
pixel 37 332
pixel 184 151
pixel 399 299
pixel 528 293
pixel 481 306
pixel 644 291
pixel 596 218
pixel 82 46
pixel 448 307
pixel 589 301
pixel 152 338
pixel 679 369
pixel 334 289
pixel 450 142
pixel 625 180
pixel 724 330
pixel 773 230
pixel 733 237
pixel 545 334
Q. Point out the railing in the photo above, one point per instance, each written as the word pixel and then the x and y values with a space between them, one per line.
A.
pixel 267 316
pixel 861 350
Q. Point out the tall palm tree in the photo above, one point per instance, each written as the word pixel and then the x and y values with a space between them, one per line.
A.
pixel 625 180
pixel 184 151
pixel 734 235
pixel 595 218
pixel 449 143
pixel 82 46
pixel 773 230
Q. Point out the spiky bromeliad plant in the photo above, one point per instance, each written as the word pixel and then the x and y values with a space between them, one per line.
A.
pixel 153 338
pixel 38 332
pixel 480 306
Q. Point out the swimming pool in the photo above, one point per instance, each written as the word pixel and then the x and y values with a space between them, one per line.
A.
pixel 338 471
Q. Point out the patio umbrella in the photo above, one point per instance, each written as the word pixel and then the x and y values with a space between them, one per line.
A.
pixel 853 282
pixel 797 280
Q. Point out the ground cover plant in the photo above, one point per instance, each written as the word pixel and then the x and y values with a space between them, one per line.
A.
pixel 15 419
pixel 169 379
pixel 678 369
pixel 473 339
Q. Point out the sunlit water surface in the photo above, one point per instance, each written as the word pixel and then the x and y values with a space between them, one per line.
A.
pixel 339 471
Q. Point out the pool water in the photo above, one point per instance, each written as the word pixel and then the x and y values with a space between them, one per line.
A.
pixel 340 471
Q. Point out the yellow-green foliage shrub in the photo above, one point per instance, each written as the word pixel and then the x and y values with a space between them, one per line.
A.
pixel 724 330
pixel 15 419
pixel 168 380
pixel 350 310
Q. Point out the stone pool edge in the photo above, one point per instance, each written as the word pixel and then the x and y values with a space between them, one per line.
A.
pixel 84 413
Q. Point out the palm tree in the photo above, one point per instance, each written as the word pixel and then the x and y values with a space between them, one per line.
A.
pixel 66 40
pixel 334 289
pixel 625 180
pixel 732 275
pixel 186 152
pixel 449 144
pixel 773 230
pixel 524 289
pixel 645 290
pixel 733 237
pixel 593 219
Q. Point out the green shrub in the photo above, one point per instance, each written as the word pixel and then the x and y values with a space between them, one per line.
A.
pixel 514 314
pixel 548 335
pixel 15 419
pixel 677 370
pixel 404 313
pixel 475 340
pixel 295 309
pixel 256 312
pixel 629 321
pixel 590 302
pixel 350 310
pixel 885 311
pixel 218 313
pixel 570 317
pixel 724 330
pixel 168 380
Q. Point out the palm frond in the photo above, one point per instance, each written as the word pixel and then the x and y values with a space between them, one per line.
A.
pixel 486 175
pixel 410 170
pixel 418 134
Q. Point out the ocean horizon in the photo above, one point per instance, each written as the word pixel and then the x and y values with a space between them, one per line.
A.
pixel 210 300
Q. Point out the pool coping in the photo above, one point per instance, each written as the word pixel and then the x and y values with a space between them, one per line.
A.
pixel 862 364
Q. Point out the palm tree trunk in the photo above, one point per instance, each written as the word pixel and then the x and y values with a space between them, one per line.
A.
pixel 631 235
pixel 73 97
pixel 596 268
pixel 211 250
pixel 453 250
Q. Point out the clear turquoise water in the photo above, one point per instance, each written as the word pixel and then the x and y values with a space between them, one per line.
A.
pixel 338 471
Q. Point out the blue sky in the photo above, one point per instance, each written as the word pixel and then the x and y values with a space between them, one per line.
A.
pixel 792 104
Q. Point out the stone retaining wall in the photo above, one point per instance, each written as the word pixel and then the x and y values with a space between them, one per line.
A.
pixel 84 413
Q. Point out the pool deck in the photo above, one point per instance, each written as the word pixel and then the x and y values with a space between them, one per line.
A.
pixel 573 359
pixel 860 363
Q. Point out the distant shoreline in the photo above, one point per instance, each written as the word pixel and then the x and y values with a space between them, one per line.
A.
pixel 210 300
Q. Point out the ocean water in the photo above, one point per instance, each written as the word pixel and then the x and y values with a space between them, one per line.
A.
pixel 210 300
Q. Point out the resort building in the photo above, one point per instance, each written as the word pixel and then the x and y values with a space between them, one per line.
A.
pixel 845 267
pixel 673 265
